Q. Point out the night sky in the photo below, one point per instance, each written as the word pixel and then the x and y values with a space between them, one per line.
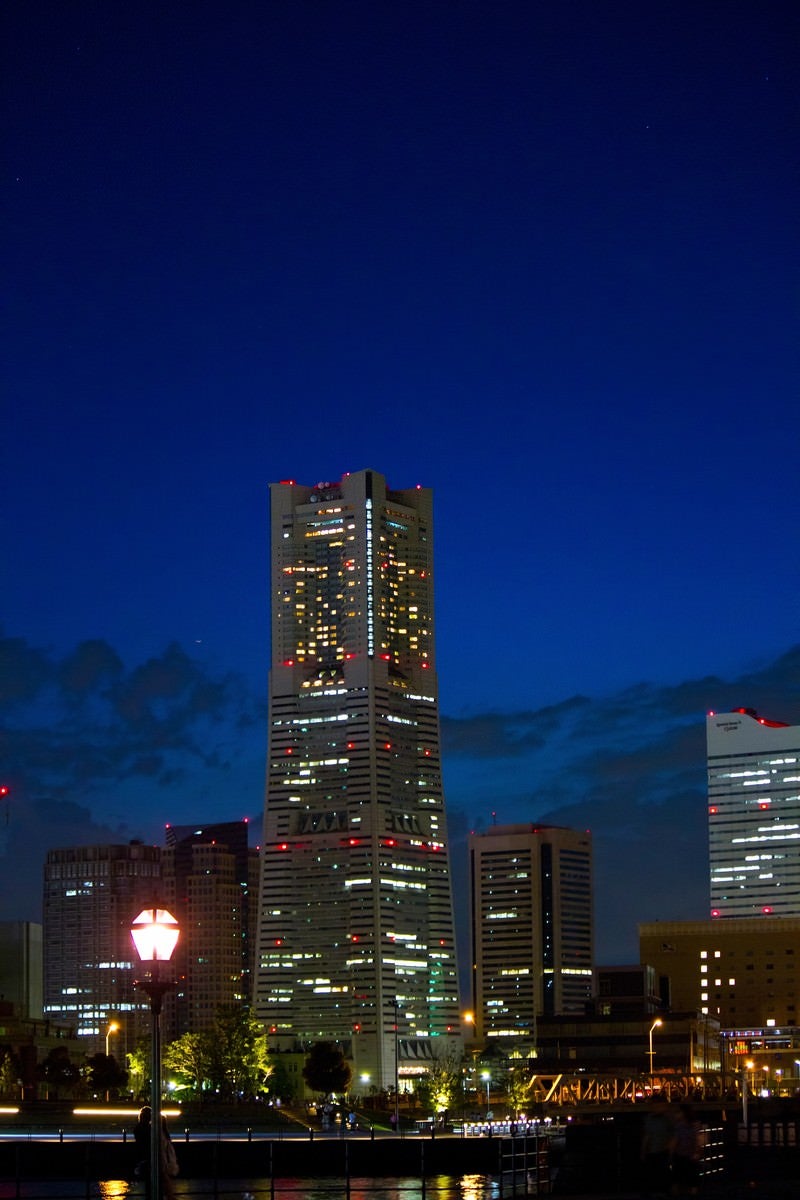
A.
pixel 541 257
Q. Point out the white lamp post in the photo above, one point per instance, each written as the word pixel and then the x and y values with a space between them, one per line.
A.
pixel 656 1025
pixel 155 934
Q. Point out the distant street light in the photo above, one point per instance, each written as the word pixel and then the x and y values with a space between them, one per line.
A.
pixel 656 1025
pixel 113 1028
pixel 155 934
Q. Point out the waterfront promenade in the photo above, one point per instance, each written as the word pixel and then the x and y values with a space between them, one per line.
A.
pixel 228 1160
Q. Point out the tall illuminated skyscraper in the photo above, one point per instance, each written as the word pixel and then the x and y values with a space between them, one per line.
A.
pixel 356 941
pixel 532 927
pixel 91 895
pixel 753 815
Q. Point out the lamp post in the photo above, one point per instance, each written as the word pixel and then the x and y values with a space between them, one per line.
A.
pixel 656 1025
pixel 486 1077
pixel 112 1028
pixel 155 934
pixel 747 1067
pixel 396 1004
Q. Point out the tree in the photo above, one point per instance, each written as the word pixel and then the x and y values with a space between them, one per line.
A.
pixel 104 1074
pixel 240 1061
pixel 518 1089
pixel 9 1076
pixel 59 1071
pixel 326 1069
pixel 139 1068
pixel 192 1057
pixel 439 1086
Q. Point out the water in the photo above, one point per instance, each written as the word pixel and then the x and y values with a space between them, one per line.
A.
pixel 434 1187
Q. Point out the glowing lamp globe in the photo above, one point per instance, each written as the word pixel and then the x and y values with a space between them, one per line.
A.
pixel 155 935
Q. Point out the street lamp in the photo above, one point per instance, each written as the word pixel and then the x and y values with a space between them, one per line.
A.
pixel 656 1025
pixel 112 1028
pixel 486 1077
pixel 155 934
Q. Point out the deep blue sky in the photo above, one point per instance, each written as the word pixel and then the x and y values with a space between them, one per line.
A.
pixel 541 257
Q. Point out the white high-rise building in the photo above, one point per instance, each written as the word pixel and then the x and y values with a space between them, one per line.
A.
pixel 753 815
pixel 356 942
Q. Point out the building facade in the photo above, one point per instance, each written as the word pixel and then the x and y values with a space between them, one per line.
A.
pixel 753 815
pixel 210 885
pixel 532 927
pixel 21 967
pixel 91 896
pixel 743 971
pixel 356 941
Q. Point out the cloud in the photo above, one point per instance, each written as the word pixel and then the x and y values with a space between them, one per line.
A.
pixel 630 767
pixel 96 752
pixel 75 726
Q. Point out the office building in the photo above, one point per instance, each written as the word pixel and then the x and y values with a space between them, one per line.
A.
pixel 743 971
pixel 753 815
pixel 91 895
pixel 356 941
pixel 532 927
pixel 21 967
pixel 210 885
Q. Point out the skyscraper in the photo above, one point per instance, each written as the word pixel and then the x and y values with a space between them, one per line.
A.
pixel 356 940
pixel 532 927
pixel 91 895
pixel 210 885
pixel 753 815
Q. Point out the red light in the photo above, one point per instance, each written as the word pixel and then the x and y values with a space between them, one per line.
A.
pixel 425 666
pixel 289 750
pixel 351 745
pixel 390 842
pixel 354 842
pixel 715 912
pixel 354 937
pixel 283 846
pixel 356 1029
pixel 386 657
pixel 388 746
pixel 713 809
pixel 766 909
pixel 273 1028
pixel 278 941
pixel 287 483
pixel 427 753
pixel 288 662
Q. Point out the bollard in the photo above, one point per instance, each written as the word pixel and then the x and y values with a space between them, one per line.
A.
pixel 124 1137
pixel 186 1136
pixel 249 1134
pixel 310 1134
pixel 61 1137
pixel 372 1133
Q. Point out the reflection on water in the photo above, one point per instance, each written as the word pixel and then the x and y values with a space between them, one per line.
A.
pixel 434 1187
